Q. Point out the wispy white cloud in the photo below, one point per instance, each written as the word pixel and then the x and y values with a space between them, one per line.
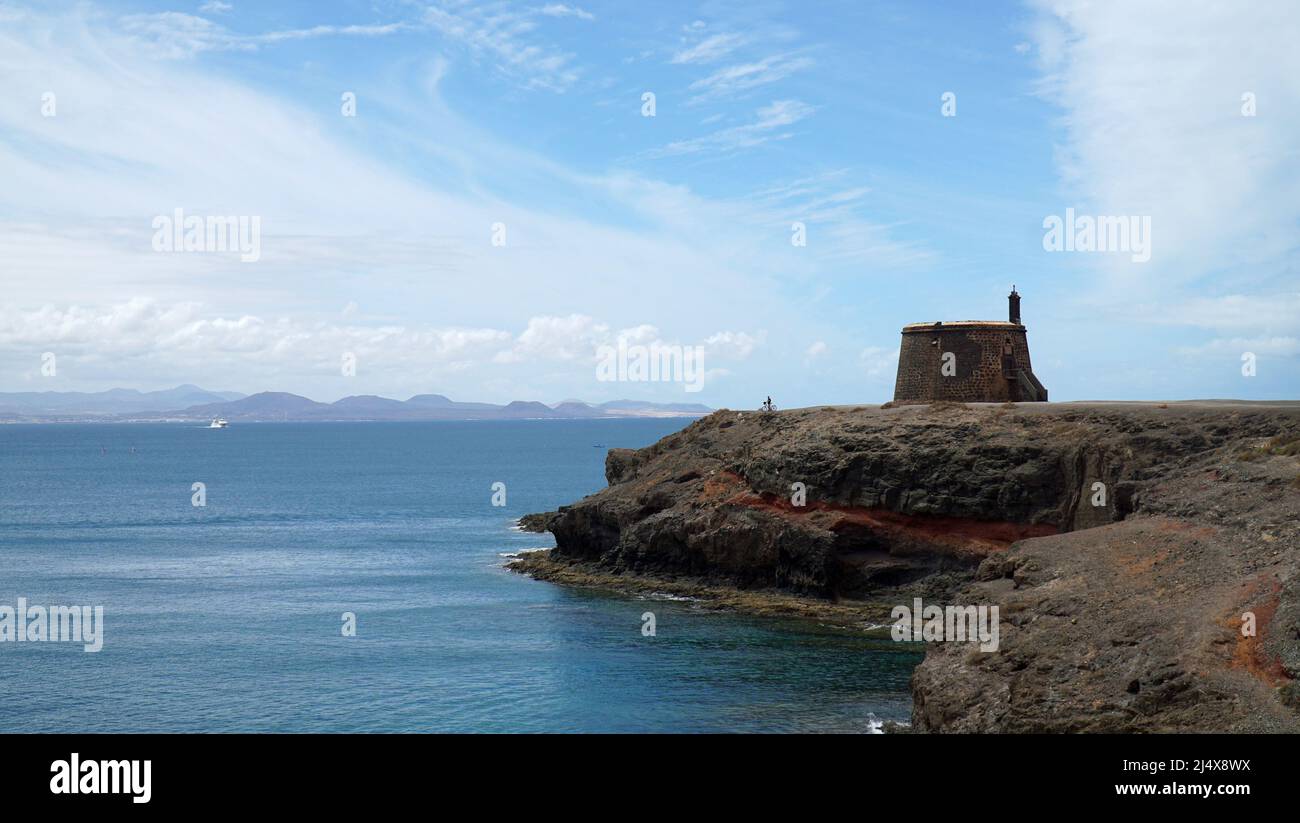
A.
pixel 831 206
pixel 743 77
pixel 767 125
pixel 1153 124
pixel 177 35
pixel 711 48
pixel 215 7
pixel 733 345
pixel 508 37
pixel 329 31
pixel 562 10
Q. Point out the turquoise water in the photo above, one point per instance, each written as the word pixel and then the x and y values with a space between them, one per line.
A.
pixel 227 617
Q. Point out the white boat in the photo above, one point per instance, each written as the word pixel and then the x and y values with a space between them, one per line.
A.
pixel 218 423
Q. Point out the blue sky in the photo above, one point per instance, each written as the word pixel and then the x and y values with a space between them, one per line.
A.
pixel 674 228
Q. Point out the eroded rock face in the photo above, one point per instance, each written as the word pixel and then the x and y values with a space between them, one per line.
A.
pixel 891 495
pixel 1137 626
pixel 1123 615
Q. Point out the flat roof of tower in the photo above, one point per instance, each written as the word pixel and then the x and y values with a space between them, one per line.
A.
pixel 963 324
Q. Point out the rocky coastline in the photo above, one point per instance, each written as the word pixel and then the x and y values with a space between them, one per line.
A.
pixel 1122 542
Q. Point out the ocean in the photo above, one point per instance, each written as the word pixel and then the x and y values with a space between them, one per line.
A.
pixel 228 616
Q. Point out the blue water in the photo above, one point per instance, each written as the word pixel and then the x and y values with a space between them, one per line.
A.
pixel 228 617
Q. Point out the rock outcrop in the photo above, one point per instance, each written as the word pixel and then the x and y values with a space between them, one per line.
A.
pixel 1121 542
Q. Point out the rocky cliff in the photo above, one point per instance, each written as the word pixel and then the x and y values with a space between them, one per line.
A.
pixel 1122 543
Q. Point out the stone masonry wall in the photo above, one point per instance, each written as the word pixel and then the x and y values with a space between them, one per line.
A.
pixel 978 375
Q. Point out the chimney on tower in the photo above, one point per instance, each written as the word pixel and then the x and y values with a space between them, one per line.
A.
pixel 1013 306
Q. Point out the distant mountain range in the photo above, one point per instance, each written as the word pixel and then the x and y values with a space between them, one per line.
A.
pixel 193 403
pixel 113 401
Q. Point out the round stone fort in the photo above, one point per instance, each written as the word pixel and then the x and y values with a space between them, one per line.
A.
pixel 971 361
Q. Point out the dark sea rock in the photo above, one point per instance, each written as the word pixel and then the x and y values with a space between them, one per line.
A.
pixel 1122 616
pixel 540 522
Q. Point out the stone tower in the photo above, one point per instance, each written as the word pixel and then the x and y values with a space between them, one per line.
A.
pixel 972 361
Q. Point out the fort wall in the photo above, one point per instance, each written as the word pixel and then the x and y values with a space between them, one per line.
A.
pixel 985 367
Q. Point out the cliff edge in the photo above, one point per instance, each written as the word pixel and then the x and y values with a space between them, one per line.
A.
pixel 1124 544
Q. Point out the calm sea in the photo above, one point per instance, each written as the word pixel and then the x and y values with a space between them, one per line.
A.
pixel 227 617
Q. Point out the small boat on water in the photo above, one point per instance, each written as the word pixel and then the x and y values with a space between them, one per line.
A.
pixel 218 423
